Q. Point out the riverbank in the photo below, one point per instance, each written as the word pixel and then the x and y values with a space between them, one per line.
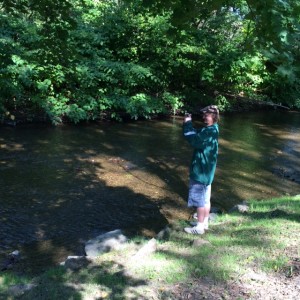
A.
pixel 251 255
pixel 235 103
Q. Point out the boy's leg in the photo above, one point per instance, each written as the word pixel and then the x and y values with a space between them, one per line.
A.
pixel 202 216
pixel 206 216
pixel 201 213
pixel 207 206
pixel 199 226
pixel 200 194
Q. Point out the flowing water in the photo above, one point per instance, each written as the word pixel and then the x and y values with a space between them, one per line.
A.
pixel 60 186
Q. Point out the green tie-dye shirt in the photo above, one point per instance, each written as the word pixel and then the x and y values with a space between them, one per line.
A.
pixel 205 144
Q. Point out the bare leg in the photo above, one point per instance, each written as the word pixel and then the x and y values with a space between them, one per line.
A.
pixel 202 213
pixel 207 210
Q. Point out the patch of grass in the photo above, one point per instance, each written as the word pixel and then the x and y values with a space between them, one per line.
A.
pixel 215 263
pixel 58 273
pixel 275 264
pixel 9 279
pixel 162 267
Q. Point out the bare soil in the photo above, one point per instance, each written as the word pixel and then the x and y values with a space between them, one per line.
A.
pixel 253 285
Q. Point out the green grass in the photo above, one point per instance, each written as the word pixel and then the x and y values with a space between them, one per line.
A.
pixel 266 239
pixel 9 279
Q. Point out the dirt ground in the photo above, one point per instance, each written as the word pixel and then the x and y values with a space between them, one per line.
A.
pixel 253 285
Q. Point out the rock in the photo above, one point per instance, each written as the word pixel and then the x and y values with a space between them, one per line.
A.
pixel 12 123
pixel 200 242
pixel 16 253
pixel 164 234
pixel 215 210
pixel 75 263
pixel 242 208
pixel 110 241
pixel 129 166
pixel 20 289
pixel 147 249
pixel 212 217
pixel 11 259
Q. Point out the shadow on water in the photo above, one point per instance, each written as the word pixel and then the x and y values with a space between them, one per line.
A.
pixel 53 197
pixel 61 186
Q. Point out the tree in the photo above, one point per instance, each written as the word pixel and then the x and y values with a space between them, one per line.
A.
pixel 83 59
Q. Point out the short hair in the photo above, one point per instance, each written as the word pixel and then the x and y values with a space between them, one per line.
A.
pixel 212 109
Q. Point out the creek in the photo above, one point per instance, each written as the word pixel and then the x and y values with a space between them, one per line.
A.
pixel 61 186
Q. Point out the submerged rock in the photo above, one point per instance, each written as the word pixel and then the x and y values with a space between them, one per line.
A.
pixel 75 263
pixel 164 234
pixel 11 260
pixel 216 210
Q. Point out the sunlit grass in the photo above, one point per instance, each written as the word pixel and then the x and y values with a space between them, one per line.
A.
pixel 162 267
pixel 274 264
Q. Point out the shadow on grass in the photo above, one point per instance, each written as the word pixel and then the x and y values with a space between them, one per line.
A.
pixel 95 282
pixel 234 247
pixel 275 214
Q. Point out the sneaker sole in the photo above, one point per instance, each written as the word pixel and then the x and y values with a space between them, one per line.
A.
pixel 193 231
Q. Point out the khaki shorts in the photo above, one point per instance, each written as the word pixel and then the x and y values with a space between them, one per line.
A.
pixel 199 194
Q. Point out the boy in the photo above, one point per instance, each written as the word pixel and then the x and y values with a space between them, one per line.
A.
pixel 203 165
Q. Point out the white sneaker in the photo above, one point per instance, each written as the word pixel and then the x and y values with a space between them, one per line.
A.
pixel 194 230
pixel 195 223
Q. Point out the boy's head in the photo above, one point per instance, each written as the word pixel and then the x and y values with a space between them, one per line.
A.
pixel 210 114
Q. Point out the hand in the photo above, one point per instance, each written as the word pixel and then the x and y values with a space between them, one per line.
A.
pixel 188 117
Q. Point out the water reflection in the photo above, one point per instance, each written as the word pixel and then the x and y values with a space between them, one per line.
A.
pixel 254 147
pixel 61 186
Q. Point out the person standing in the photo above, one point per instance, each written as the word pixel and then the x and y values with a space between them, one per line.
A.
pixel 203 166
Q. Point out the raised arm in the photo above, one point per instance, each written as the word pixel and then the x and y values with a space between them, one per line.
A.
pixel 198 139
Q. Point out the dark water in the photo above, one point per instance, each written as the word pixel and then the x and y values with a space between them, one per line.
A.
pixel 61 186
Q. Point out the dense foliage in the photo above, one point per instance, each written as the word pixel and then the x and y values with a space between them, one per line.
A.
pixel 85 59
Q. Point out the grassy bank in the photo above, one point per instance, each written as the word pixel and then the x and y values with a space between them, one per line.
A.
pixel 264 240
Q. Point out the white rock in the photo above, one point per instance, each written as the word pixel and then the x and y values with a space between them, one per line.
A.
pixel 16 253
pixel 242 207
pixel 147 249
pixel 110 241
